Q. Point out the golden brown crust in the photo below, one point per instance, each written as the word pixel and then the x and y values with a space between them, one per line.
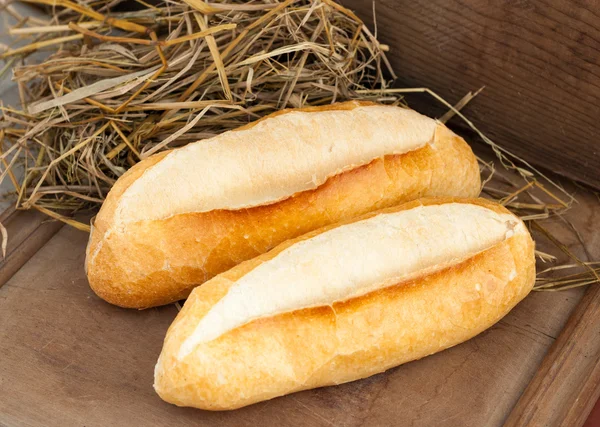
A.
pixel 161 261
pixel 348 340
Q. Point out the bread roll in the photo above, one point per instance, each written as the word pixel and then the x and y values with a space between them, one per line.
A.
pixel 181 217
pixel 346 302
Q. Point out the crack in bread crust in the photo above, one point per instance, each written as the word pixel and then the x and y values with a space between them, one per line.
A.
pixel 228 171
pixel 355 259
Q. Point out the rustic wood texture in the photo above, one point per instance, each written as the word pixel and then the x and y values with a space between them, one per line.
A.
pixel 69 358
pixel 594 417
pixel 539 61
pixel 574 359
pixel 27 232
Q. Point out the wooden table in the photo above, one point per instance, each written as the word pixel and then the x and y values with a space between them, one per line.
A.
pixel 70 359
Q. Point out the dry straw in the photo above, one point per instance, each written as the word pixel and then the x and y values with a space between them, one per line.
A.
pixel 126 79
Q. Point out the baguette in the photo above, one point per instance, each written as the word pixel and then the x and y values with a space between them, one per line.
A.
pixel 181 217
pixel 346 302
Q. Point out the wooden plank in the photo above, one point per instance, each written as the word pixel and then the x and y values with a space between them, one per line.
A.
pixel 539 61
pixel 68 358
pixel 94 366
pixel 594 417
pixel 574 360
pixel 27 231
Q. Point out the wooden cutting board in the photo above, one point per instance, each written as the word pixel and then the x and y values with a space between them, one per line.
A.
pixel 69 359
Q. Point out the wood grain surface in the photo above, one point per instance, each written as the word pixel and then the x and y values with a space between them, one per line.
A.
pixel 574 358
pixel 538 59
pixel 70 359
pixel 27 232
pixel 594 417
